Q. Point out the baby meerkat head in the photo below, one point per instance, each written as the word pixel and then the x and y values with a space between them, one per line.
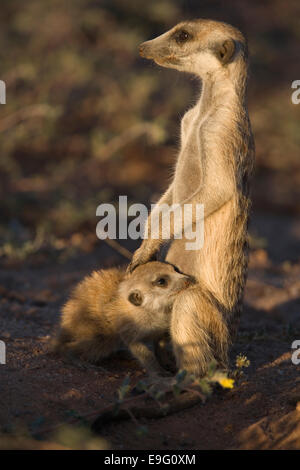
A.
pixel 153 286
pixel 200 46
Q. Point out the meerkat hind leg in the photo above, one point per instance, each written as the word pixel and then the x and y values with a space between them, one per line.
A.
pixel 87 353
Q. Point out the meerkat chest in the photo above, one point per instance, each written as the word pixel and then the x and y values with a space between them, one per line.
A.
pixel 188 168
pixel 188 123
pixel 192 130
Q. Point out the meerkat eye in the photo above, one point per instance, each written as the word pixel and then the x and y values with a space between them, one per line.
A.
pixel 182 36
pixel 136 298
pixel 161 281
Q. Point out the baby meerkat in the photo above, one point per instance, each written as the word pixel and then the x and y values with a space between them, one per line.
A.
pixel 110 309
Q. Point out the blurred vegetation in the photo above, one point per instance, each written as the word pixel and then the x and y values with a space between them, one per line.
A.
pixel 87 120
pixel 66 437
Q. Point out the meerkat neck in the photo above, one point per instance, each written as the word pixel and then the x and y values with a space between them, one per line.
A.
pixel 219 89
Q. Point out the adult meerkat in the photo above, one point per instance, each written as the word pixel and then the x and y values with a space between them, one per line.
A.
pixel 110 308
pixel 213 168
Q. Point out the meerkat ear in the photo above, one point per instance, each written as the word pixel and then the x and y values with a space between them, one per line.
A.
pixel 135 298
pixel 225 51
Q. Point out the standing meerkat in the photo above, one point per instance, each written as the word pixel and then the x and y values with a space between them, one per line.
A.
pixel 110 309
pixel 213 168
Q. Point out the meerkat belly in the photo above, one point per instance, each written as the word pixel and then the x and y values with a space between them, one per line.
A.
pixel 187 181
pixel 186 260
pixel 215 256
pixel 211 263
pixel 188 174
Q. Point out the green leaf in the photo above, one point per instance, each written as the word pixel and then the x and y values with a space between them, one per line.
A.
pixel 142 431
pixel 212 368
pixel 176 390
pixel 205 387
pixel 181 376
pixel 124 389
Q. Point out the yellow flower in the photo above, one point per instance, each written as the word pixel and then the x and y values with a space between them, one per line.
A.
pixel 226 383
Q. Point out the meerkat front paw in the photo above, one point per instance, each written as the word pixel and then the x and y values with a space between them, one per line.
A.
pixel 141 256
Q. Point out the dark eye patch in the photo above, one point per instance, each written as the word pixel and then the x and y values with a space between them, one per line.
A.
pixel 181 36
pixel 161 281
pixel 136 298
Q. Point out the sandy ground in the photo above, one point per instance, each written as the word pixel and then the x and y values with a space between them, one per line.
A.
pixel 38 391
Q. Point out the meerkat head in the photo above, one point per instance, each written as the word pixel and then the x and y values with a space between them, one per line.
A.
pixel 153 286
pixel 200 46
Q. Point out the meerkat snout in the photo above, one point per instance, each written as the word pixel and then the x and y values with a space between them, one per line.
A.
pixel 142 49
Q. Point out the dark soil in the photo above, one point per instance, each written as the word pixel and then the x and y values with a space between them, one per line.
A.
pixel 261 412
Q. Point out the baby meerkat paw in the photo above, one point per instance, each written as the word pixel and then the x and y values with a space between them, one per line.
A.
pixel 141 256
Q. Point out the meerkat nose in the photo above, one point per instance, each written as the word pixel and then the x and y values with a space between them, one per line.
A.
pixel 142 50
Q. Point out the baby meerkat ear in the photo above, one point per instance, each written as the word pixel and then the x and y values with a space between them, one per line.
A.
pixel 135 298
pixel 225 51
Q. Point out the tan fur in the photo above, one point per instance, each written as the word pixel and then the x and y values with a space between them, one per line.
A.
pixel 214 166
pixel 99 317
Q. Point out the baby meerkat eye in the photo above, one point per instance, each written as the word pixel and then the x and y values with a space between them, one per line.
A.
pixel 162 281
pixel 181 36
